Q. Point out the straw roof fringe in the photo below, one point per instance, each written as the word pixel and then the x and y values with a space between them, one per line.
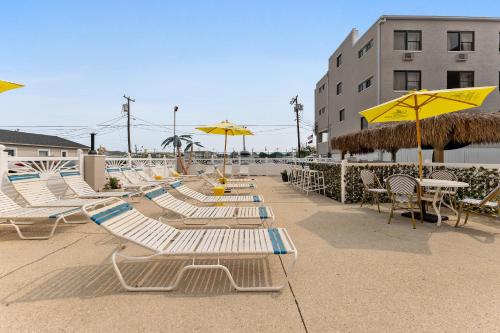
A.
pixel 466 127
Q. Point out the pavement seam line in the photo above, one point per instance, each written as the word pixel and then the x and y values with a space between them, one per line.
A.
pixel 41 258
pixel 294 297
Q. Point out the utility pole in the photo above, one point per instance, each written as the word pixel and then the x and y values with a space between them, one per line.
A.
pixel 126 108
pixel 297 107
pixel 176 108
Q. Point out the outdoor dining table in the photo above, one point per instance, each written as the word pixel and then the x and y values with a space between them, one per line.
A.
pixel 437 185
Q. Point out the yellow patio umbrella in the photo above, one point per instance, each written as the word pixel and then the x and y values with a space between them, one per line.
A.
pixel 4 86
pixel 225 128
pixel 423 104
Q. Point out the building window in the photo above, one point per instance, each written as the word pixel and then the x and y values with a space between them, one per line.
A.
pixel 323 136
pixel 342 115
pixel 460 79
pixel 339 60
pixel 407 80
pixel 460 41
pixel 408 40
pixel 43 153
pixel 365 48
pixel 363 123
pixel 321 88
pixel 322 111
pixel 365 84
pixel 10 151
pixel 339 88
pixel 64 153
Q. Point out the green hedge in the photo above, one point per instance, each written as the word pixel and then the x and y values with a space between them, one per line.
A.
pixel 481 180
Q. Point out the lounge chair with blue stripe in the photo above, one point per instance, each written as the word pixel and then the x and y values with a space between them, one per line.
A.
pixel 126 184
pixel 12 214
pixel 202 215
pixel 36 193
pixel 190 193
pixel 79 186
pixel 123 221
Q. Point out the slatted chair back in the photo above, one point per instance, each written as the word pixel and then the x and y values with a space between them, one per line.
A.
pixel 117 173
pixel 7 204
pixel 122 219
pixel 76 183
pixel 402 185
pixel 369 179
pixel 166 200
pixel 493 196
pixel 442 175
pixel 188 192
pixel 244 170
pixel 132 176
pixel 209 180
pixel 32 188
pixel 143 174
pixel 210 169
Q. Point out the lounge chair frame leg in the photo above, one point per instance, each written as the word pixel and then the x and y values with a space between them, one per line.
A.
pixel 22 236
pixel 193 266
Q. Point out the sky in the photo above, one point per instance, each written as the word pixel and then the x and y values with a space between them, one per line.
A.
pixel 235 60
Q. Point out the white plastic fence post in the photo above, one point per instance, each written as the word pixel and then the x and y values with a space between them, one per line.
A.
pixel 267 166
pixel 343 171
pixel 4 163
pixel 129 160
pixel 149 161
pixel 79 154
pixel 165 167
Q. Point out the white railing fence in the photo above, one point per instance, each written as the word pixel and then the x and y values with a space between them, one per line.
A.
pixel 47 167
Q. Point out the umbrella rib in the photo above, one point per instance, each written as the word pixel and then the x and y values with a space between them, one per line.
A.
pixel 428 100
pixel 454 100
pixel 399 103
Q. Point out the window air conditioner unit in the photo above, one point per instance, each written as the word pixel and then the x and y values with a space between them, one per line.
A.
pixel 408 56
pixel 462 57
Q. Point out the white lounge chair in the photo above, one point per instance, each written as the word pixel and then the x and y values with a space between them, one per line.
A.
pixel 190 193
pixel 123 221
pixel 202 215
pixel 148 178
pixel 229 186
pixel 135 179
pixel 12 214
pixel 35 192
pixel 244 171
pixel 126 184
pixel 235 180
pixel 79 186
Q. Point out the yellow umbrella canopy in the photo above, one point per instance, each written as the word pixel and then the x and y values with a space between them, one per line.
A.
pixel 4 86
pixel 225 128
pixel 423 104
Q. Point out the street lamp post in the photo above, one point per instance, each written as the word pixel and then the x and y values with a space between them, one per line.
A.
pixel 176 108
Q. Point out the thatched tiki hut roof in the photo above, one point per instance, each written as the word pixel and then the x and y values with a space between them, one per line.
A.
pixel 466 127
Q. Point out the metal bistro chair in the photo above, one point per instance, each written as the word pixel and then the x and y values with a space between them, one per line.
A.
pixel 371 187
pixel 449 193
pixel 472 206
pixel 404 190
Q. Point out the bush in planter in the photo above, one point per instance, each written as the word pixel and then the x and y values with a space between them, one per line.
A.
pixel 113 184
pixel 284 176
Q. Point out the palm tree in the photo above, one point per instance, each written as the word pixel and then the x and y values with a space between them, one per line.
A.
pixel 176 141
pixel 190 146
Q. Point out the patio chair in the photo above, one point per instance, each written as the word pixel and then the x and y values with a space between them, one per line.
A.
pixel 36 193
pixel 371 187
pixel 404 193
pixel 12 214
pixel 190 193
pixel 134 178
pixel 474 206
pixel 203 215
pixel 449 193
pixel 123 221
pixel 79 186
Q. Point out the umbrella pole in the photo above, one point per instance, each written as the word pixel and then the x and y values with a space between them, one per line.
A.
pixel 419 144
pixel 225 147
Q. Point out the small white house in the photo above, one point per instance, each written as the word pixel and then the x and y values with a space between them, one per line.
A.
pixel 32 145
